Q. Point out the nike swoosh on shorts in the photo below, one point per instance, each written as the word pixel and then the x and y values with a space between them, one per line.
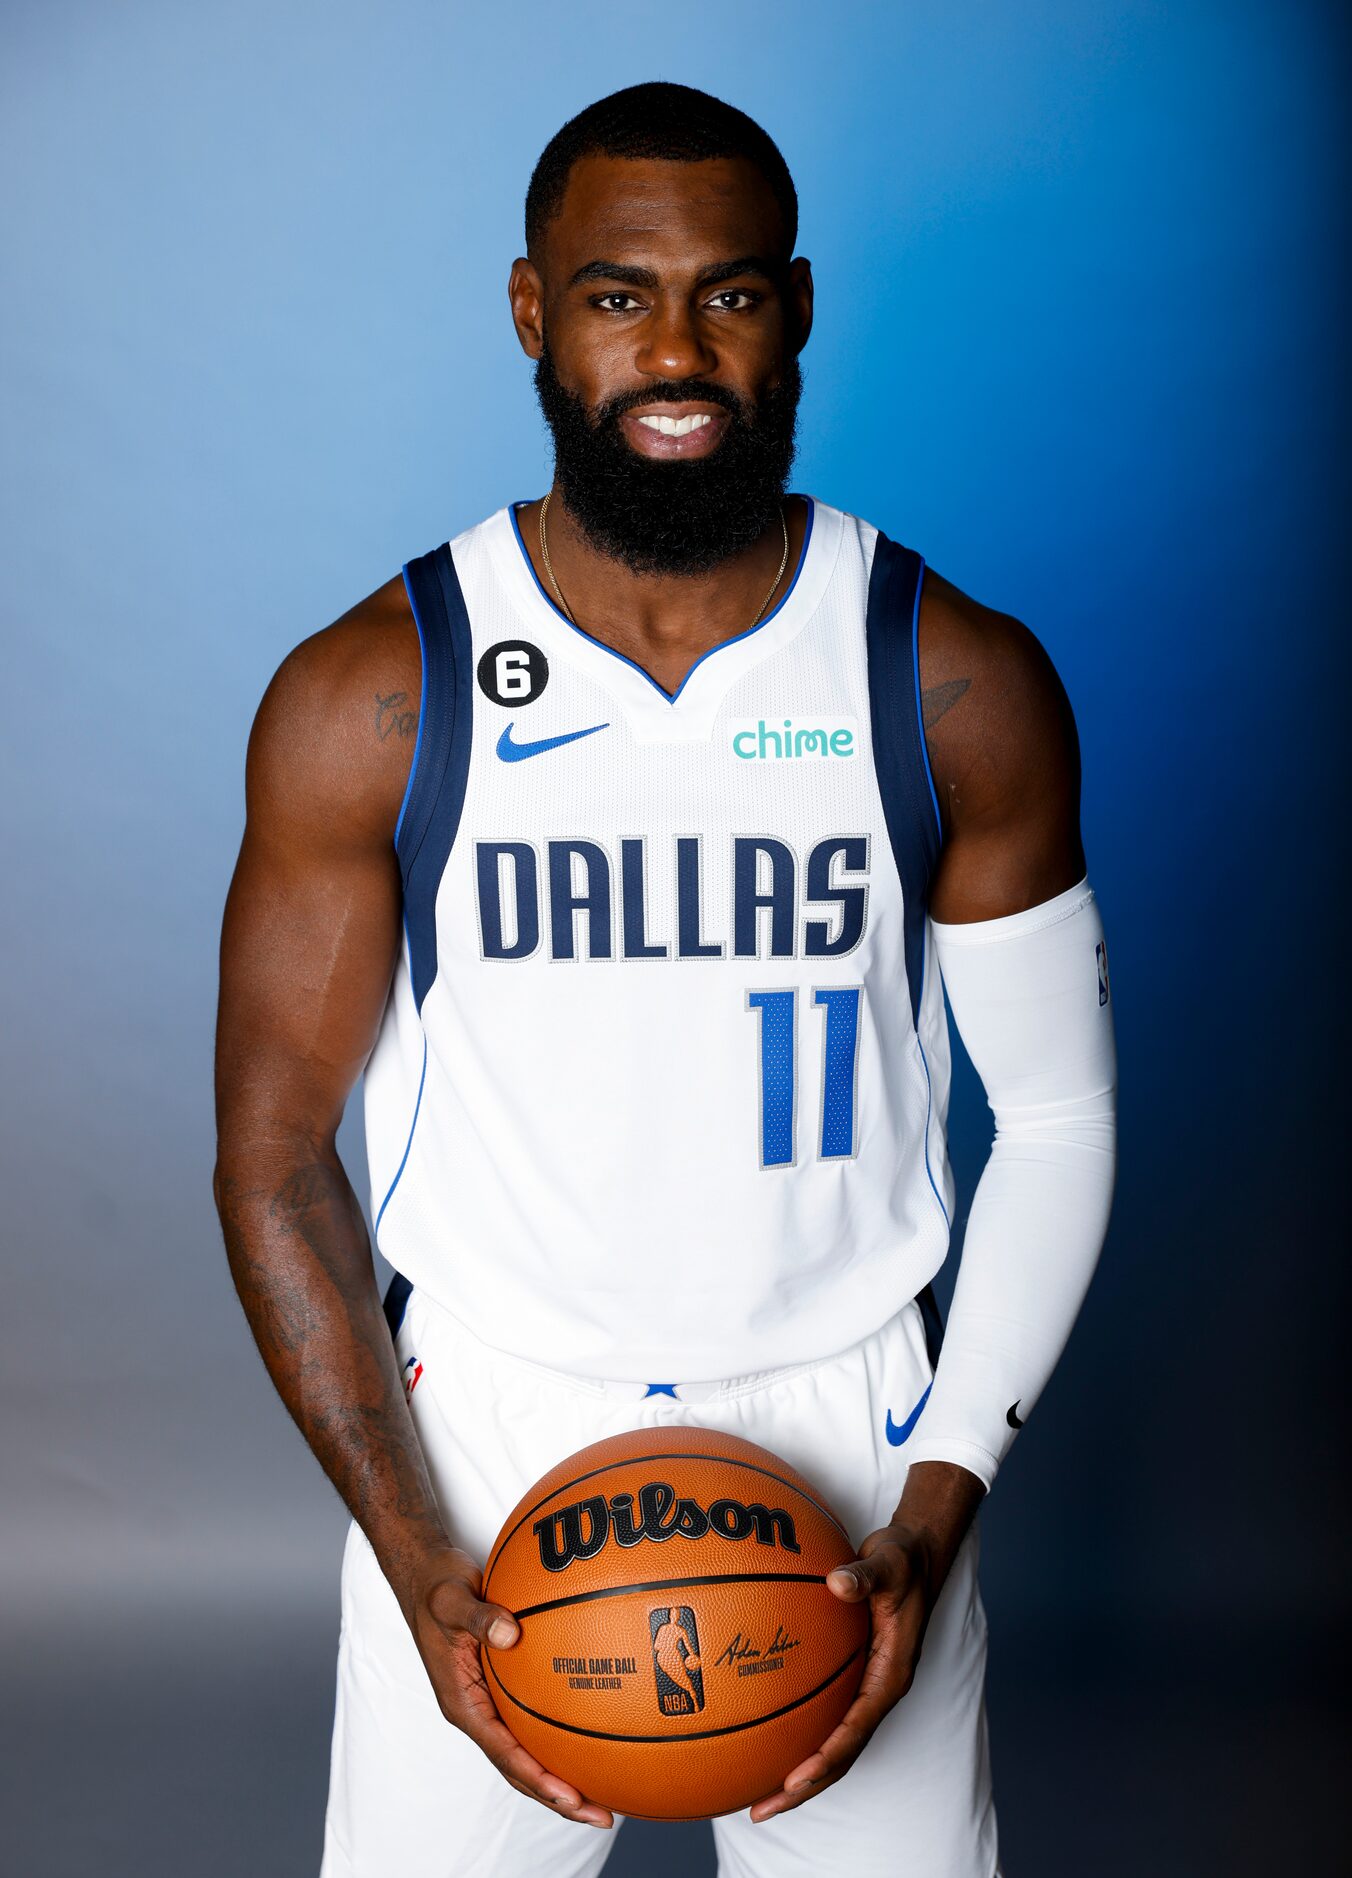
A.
pixel 896 1434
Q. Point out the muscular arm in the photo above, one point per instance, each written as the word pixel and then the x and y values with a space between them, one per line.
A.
pixel 1006 769
pixel 308 946
pixel 310 939
pixel 1005 758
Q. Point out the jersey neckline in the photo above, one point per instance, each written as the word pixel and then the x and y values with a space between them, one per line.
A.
pixel 668 697
pixel 689 711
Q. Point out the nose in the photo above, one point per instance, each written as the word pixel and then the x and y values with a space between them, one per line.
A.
pixel 673 345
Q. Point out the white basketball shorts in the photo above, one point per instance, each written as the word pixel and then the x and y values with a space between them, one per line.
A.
pixel 409 1792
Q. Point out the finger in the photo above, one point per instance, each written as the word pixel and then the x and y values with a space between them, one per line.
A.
pixel 455 1607
pixel 584 1815
pixel 846 1741
pixel 519 1767
pixel 887 1569
pixel 838 1753
pixel 785 1802
pixel 480 1720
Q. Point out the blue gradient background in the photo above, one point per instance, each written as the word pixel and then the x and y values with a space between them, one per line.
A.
pixel 1080 339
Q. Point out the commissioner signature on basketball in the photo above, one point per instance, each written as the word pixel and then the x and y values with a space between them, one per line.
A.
pixel 750 1660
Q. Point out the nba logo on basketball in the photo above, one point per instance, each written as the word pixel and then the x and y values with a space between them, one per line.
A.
pixel 680 1680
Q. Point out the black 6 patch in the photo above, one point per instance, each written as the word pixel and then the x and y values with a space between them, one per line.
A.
pixel 513 672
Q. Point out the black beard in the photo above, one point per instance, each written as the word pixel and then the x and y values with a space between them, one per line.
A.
pixel 674 517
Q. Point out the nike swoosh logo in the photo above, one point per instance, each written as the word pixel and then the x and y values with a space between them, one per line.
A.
pixel 1012 1415
pixel 897 1434
pixel 518 752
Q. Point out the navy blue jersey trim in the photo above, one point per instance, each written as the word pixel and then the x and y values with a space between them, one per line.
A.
pixel 436 788
pixel 396 1302
pixel 933 1320
pixel 900 759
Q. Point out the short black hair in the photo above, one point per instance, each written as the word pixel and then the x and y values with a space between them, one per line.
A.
pixel 672 123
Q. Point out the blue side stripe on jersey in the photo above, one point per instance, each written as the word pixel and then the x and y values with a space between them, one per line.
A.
pixel 670 696
pixel 398 1172
pixel 900 761
pixel 930 1315
pixel 436 788
pixel 929 1105
pixel 422 716
pixel 920 707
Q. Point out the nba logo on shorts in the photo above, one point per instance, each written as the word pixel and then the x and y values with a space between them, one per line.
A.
pixel 676 1664
pixel 1101 954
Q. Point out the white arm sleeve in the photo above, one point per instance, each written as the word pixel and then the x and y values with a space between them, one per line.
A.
pixel 1029 995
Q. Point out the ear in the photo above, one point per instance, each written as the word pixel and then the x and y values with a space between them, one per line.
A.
pixel 526 294
pixel 800 298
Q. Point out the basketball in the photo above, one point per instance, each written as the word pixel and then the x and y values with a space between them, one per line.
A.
pixel 680 1652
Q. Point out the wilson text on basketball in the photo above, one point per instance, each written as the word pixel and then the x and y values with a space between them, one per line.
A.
pixel 657 1513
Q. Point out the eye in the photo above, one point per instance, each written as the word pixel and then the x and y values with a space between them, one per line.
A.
pixel 602 300
pixel 743 294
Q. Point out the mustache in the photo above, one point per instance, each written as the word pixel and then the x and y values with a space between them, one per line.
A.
pixel 688 391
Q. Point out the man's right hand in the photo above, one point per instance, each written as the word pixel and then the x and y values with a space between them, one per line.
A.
pixel 450 1622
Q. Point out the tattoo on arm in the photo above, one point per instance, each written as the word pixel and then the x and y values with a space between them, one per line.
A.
pixel 392 715
pixel 940 699
pixel 316 1317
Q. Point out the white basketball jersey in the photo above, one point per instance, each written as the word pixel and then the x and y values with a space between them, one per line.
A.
pixel 661 1085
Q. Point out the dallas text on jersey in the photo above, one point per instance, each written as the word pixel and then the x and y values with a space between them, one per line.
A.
pixel 578 876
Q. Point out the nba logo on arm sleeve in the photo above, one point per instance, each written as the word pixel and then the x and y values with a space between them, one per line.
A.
pixel 1101 954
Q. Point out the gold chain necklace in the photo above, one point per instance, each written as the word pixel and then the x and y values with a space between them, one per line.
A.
pixel 549 568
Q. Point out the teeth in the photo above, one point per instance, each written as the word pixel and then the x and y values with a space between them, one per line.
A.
pixel 677 426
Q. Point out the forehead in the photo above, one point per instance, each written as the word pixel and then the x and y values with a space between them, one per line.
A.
pixel 637 209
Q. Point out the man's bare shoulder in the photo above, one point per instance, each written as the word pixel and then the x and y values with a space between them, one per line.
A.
pixel 997 719
pixel 335 732
pixel 966 646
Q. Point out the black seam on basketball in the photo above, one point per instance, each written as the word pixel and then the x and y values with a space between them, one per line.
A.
pixel 643 1460
pixel 673 1741
pixel 675 1584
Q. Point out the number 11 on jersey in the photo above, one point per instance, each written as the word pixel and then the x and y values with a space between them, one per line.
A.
pixel 778 1018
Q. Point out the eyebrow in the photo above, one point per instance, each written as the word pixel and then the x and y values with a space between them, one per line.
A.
pixel 707 277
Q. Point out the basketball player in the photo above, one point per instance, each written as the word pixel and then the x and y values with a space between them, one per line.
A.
pixel 621 842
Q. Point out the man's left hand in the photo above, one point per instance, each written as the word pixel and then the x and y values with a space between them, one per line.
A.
pixel 901 1570
pixel 895 1572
